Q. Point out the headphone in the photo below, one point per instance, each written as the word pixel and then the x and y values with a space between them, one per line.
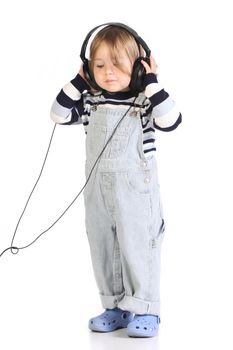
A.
pixel 138 71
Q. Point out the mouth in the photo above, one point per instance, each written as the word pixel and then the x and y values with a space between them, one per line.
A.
pixel 110 81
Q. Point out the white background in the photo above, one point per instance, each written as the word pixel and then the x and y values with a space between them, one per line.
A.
pixel 48 292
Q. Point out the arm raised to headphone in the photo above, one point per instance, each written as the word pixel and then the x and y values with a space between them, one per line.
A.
pixel 150 68
pixel 81 73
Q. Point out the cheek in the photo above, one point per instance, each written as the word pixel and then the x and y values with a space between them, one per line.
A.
pixel 97 75
pixel 127 74
pixel 127 77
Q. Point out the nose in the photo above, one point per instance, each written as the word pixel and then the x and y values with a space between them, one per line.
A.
pixel 109 68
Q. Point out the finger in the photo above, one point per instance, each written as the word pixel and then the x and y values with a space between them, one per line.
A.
pixel 146 66
pixel 153 64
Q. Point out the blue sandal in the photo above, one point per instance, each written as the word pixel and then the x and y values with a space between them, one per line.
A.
pixel 110 320
pixel 143 326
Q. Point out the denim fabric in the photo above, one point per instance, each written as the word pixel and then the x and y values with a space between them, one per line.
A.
pixel 123 213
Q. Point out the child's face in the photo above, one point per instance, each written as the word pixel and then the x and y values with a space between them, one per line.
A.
pixel 110 75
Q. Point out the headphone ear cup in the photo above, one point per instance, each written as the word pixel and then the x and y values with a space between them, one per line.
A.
pixel 138 75
pixel 89 76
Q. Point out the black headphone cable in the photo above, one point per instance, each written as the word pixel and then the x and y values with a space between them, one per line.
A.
pixel 15 249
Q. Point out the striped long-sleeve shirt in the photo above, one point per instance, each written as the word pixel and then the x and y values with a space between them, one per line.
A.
pixel 157 110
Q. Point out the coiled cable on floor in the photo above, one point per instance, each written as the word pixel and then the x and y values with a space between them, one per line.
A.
pixel 15 249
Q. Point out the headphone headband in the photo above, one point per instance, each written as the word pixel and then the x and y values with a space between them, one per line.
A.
pixel 138 71
pixel 121 25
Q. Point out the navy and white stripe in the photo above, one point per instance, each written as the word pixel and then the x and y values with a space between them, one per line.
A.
pixel 157 110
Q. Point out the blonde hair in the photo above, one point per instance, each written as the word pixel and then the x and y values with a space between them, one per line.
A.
pixel 117 39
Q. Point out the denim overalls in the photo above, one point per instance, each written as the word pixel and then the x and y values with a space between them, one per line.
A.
pixel 123 215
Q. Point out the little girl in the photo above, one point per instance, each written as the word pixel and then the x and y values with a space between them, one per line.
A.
pixel 124 218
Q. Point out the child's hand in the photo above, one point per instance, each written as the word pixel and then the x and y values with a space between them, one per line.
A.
pixel 153 66
pixel 81 72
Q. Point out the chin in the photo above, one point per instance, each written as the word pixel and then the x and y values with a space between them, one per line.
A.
pixel 119 89
pixel 113 90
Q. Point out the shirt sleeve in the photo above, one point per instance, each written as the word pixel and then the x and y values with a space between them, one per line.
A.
pixel 68 105
pixel 164 111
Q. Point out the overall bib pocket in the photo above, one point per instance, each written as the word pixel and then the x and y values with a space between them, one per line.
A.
pixel 118 144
